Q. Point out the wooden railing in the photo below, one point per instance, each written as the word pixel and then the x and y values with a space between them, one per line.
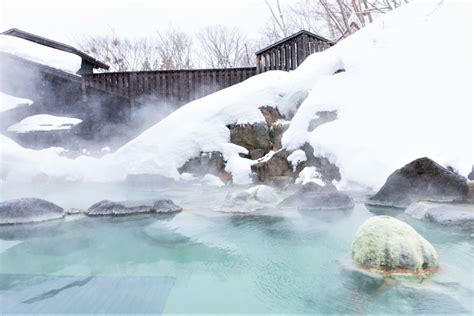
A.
pixel 289 54
pixel 179 86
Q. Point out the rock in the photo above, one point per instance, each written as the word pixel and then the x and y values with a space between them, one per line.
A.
pixel 325 168
pixel 251 136
pixel 207 162
pixel 251 199
pixel 422 179
pixel 29 210
pixel 271 114
pixel 275 165
pixel 388 245
pixel 255 154
pixel 276 133
pixel 463 218
pixel 450 214
pixel 316 197
pixel 132 207
pixel 470 176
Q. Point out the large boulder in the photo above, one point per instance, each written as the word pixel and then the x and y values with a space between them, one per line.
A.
pixel 29 210
pixel 317 197
pixel 107 207
pixel 387 245
pixel 251 136
pixel 422 179
pixel 276 165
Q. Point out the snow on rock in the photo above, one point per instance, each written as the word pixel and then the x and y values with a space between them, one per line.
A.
pixel 309 174
pixel 40 54
pixel 8 102
pixel 395 103
pixel 296 157
pixel 44 122
pixel 28 210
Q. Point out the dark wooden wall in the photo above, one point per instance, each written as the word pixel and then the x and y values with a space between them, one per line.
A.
pixel 289 54
pixel 177 86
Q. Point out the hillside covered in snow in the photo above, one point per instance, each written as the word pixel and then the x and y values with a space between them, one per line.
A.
pixel 400 89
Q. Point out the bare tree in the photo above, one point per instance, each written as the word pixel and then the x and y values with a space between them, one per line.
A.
pixel 222 47
pixel 334 19
pixel 175 50
pixel 120 53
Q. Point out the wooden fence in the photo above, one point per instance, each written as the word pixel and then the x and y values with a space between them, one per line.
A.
pixel 178 86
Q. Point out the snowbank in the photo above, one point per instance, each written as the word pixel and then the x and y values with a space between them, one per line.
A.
pixel 44 122
pixel 405 93
pixel 8 102
pixel 40 54
pixel 402 95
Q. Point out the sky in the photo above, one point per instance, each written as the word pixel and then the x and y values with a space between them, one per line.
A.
pixel 68 20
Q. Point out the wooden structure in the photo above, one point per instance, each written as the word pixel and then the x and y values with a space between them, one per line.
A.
pixel 175 86
pixel 288 53
pixel 88 62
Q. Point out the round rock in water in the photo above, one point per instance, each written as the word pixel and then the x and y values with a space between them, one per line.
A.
pixel 107 207
pixel 28 210
pixel 390 246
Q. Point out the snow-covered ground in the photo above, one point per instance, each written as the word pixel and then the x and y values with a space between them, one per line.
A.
pixel 40 54
pixel 8 102
pixel 405 93
pixel 44 122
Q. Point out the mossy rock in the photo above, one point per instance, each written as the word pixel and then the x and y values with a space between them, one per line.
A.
pixel 390 246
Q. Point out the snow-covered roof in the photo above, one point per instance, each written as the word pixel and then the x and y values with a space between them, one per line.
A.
pixel 44 122
pixel 56 45
pixel 8 102
pixel 40 54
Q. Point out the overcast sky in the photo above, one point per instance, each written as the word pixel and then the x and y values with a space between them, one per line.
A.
pixel 67 19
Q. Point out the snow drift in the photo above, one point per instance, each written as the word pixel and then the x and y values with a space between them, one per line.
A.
pixel 405 93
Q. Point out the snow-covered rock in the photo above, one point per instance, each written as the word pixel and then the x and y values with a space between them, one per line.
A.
pixel 40 54
pixel 310 174
pixel 29 210
pixel 106 207
pixel 318 197
pixel 251 200
pixel 452 214
pixel 389 245
pixel 44 122
pixel 8 102
pixel 421 179
pixel 296 158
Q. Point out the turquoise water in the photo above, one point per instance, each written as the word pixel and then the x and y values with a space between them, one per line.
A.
pixel 205 261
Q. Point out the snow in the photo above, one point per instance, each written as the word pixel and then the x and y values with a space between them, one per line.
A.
pixel 44 122
pixel 296 157
pixel 405 94
pixel 212 180
pixel 309 174
pixel 40 54
pixel 8 102
pixel 396 101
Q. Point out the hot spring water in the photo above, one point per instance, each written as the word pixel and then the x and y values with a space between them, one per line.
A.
pixel 203 261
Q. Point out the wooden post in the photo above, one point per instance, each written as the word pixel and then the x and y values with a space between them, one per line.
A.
pixel 83 89
pixel 132 88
